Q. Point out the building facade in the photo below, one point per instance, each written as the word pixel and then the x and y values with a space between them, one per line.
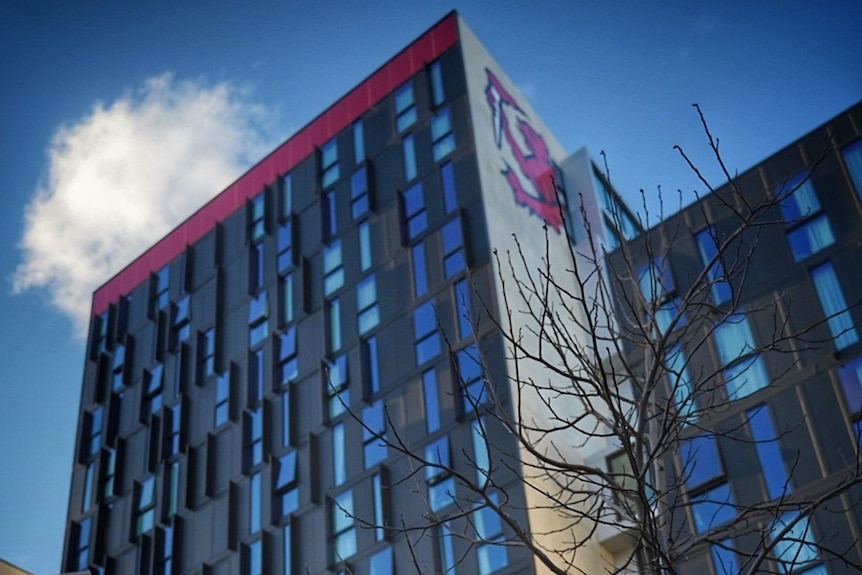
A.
pixel 760 323
pixel 256 381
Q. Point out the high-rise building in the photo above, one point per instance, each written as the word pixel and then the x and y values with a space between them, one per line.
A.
pixel 241 372
pixel 764 364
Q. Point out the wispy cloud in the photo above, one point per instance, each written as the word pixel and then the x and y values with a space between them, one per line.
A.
pixel 125 174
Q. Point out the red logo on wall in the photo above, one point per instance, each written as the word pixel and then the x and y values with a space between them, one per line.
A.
pixel 533 165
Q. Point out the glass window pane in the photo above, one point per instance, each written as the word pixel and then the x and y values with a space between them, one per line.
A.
pixel 850 376
pixel 409 150
pixel 712 508
pixel 699 458
pixel 339 468
pixel 853 160
pixel 706 244
pixel 364 231
pixel 810 237
pixel 420 275
pixel 437 95
pixel 834 306
pixel 358 142
pixel 680 384
pixel 799 203
pixel 432 406
pixel 745 377
pixel 768 451
pixel 463 308
pixel 481 456
pixel 447 175
pixel 723 558
pixel 733 338
pixel 381 562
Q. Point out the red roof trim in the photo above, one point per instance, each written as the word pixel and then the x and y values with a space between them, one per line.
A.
pixel 342 113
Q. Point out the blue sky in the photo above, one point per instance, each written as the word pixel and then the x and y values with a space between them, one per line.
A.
pixel 119 118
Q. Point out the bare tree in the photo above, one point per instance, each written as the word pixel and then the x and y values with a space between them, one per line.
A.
pixel 626 388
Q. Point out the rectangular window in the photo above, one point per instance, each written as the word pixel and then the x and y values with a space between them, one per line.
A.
pixel 707 245
pixel 328 163
pixel 284 259
pixel 415 216
pixel 796 548
pixel 343 529
pixel 438 475
pixel 379 506
pixel 258 316
pixel 425 332
pixel 335 383
pixel 206 354
pixel 489 528
pixel 359 200
pixel 420 273
pixel 329 215
pixel 254 438
pixel 432 403
pixel 286 419
pixel 339 456
pixel 100 335
pixel 834 307
pixel 286 486
pixel 145 505
pixel 453 243
pixel 93 442
pixel 255 377
pixel 655 281
pixel 255 267
pixel 409 149
pixel 374 434
pixel 256 218
pixel 368 311
pixel 286 290
pixel 808 229
pixel 154 380
pixel 333 309
pixel 286 196
pixel 81 554
pixel 370 368
pixel 463 309
pixel 161 290
pixel 364 232
pixel 164 551
pixel 481 455
pixel 711 503
pixel 744 370
pixel 287 357
pixel 405 108
pixel 333 267
pixel 471 384
pixel 109 473
pixel 676 366
pixel 87 496
pixel 173 428
pixel 358 142
pixel 253 560
pixel 254 507
pixel 180 324
pixel 768 452
pixel 172 489
pixel 436 75
pixel 853 160
pixel 724 558
pixel 850 376
pixel 222 399
pixel 381 562
pixel 445 552
pixel 287 541
pixel 442 136
pixel 450 198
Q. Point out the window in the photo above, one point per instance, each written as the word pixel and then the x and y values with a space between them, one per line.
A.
pixel 287 356
pixel 93 442
pixel 853 160
pixel 81 553
pixel 744 370
pixel 834 307
pixel 680 384
pixel 172 489
pixel 405 108
pixel 463 308
pixel 415 216
pixel 795 548
pixel 254 438
pixel 442 136
pixel 258 314
pixel 145 505
pixel 420 273
pixel 333 309
pixel 432 403
pixel 409 149
pixel 165 551
pixel 489 528
pixel 287 541
pixel 768 452
pixel 255 377
pixel 286 289
pixel 286 419
pixel 655 281
pixel 359 202
pixel 450 199
pixel 173 421
pixel 109 473
pixel 707 245
pixel 481 455
pixel 328 163
pixel 255 267
pixel 437 95
pixel 808 229
pixel 471 384
pixel 343 529
pixel 222 399
pixel 161 290
pixel 286 486
pixel 336 386
pixel 364 232
pixel 381 562
pixel 368 312
pixel 453 243
pixel 711 502
pixel 377 502
pixel 724 558
pixel 425 332
pixel 358 142
pixel 441 484
pixel 206 354
pixel 254 503
pixel 329 215
pixel 339 457
pixel 180 323
pixel 256 218
pixel 87 496
pixel 154 379
pixel 374 434
pixel 100 335
pixel 286 196
pixel 284 258
pixel 253 560
pixel 620 468
pixel 445 552
pixel 850 376
pixel 333 268
pixel 370 368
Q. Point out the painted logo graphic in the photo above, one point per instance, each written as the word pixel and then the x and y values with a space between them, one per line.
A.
pixel 532 184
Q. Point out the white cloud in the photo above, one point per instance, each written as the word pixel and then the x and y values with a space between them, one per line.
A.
pixel 121 177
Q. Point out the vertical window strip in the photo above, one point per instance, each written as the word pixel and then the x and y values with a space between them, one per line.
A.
pixel 339 468
pixel 447 176
pixel 768 452
pixel 436 74
pixel 420 272
pixel 707 245
pixel 432 402
pixel 832 301
pixel 358 142
pixel 363 230
pixel 409 149
pixel 853 160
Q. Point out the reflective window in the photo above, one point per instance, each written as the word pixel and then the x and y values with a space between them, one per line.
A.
pixel 420 274
pixel 712 508
pixel 339 467
pixel 333 309
pixel 489 528
pixel 797 547
pixel 287 356
pixel 831 297
pixel 377 501
pixel 285 484
pixel 164 551
pixel 442 136
pixel 405 108
pixel 436 75
pixel 87 499
pixel 284 259
pixel 724 558
pixel 93 443
pixel 853 160
pixel 415 216
pixel 254 438
pixel 256 218
pixel 655 281
pixel 254 558
pixel 409 149
pixel 700 460
pixel 680 384
pixel 368 312
pixel 432 403
pixel 850 376
pixel 109 473
pixel 254 504
pixel 441 484
pixel 81 554
pixel 173 421
pixel 161 287
pixel 445 552
pixel 469 378
pixel 463 309
pixel 286 293
pixel 333 267
pixel 286 196
pixel 381 562
pixel 358 142
pixel 359 204
pixel 286 419
pixel 154 380
pixel 364 232
pixel 711 503
pixel 370 367
pixel 255 377
pixel 343 529
pixel 222 399
pixel 206 354
pixel 425 332
pixel 328 163
pixel 707 245
pixel 329 215
pixel 100 334
pixel 172 489
pixel 145 506
pixel 453 243
pixel 180 324
pixel 374 433
pixel 808 229
pixel 481 455
pixel 768 452
pixel 450 199
pixel 287 541
pixel 255 267
pixel 744 371
pixel 336 385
